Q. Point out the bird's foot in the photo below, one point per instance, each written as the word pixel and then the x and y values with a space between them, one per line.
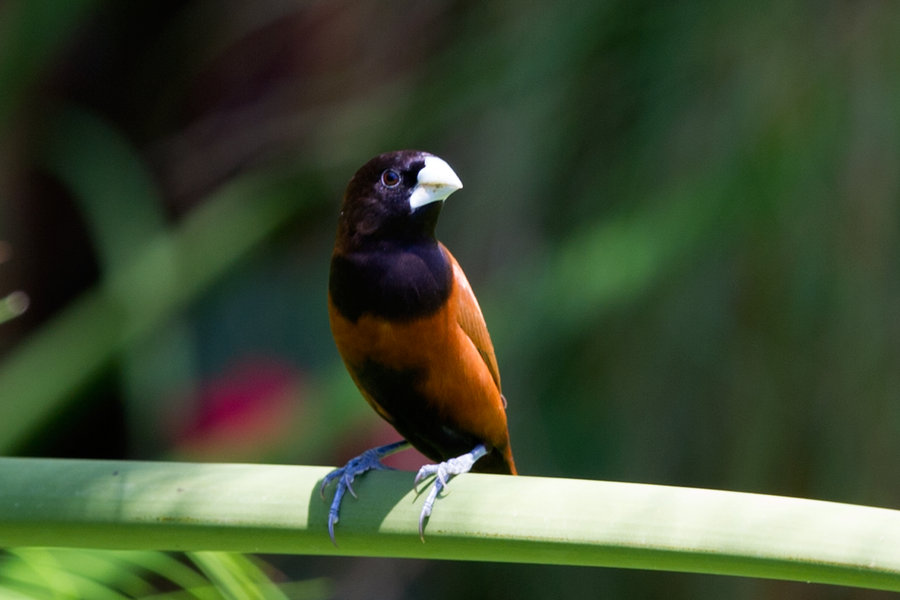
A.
pixel 443 472
pixel 370 460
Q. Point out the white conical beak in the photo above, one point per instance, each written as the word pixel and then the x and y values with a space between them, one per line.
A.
pixel 435 182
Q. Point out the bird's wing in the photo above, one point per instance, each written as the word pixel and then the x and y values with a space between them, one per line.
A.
pixel 471 320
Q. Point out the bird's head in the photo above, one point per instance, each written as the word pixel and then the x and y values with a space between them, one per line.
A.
pixel 396 197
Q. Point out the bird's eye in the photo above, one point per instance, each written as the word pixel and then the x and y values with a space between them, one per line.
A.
pixel 390 178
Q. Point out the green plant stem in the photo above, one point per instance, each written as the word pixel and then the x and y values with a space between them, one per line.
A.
pixel 277 509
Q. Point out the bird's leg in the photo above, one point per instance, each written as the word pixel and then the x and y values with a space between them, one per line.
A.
pixel 367 461
pixel 443 472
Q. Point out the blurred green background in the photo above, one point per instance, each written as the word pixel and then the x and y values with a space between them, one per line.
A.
pixel 681 220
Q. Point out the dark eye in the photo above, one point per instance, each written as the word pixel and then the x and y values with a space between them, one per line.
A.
pixel 390 178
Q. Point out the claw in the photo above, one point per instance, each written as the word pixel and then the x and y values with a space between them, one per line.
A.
pixel 443 472
pixel 367 461
pixel 424 472
pixel 328 479
pixel 427 506
pixel 331 522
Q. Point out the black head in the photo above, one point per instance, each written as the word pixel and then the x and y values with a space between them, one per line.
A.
pixel 395 198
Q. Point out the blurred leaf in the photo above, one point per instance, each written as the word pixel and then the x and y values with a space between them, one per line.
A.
pixel 236 576
pixel 123 208
pixel 74 346
pixel 79 573
pixel 30 33
pixel 113 187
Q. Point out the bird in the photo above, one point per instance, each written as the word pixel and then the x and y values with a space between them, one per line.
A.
pixel 410 331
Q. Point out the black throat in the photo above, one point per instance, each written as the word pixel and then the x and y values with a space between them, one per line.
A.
pixel 401 282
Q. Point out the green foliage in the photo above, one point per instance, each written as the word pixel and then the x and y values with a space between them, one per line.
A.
pixel 62 573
